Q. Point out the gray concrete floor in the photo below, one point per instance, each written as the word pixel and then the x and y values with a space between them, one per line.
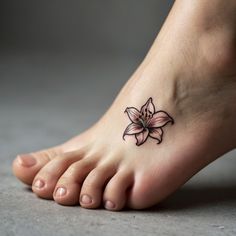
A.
pixel 46 99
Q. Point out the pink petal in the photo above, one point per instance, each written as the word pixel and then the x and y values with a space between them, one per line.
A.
pixel 133 114
pixel 156 133
pixel 142 137
pixel 148 108
pixel 159 119
pixel 133 129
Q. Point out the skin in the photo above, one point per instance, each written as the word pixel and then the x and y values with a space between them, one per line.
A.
pixel 190 73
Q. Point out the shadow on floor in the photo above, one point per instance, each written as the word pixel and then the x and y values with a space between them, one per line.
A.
pixel 195 197
pixel 190 197
pixel 27 189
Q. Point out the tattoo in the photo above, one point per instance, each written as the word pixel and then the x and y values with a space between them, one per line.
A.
pixel 146 123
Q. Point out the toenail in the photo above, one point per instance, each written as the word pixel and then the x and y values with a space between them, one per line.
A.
pixel 109 205
pixel 60 192
pixel 39 183
pixel 86 199
pixel 26 160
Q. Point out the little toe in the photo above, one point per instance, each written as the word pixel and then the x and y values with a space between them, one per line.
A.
pixel 46 179
pixel 115 194
pixel 91 192
pixel 26 166
pixel 71 181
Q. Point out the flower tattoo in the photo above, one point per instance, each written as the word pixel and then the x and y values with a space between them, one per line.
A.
pixel 146 123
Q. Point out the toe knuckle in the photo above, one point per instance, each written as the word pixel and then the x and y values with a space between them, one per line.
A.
pixel 93 175
pixel 73 169
pixel 47 154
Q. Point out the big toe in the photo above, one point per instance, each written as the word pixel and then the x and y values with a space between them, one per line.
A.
pixel 26 166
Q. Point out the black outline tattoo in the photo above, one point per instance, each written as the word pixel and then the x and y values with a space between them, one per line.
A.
pixel 146 122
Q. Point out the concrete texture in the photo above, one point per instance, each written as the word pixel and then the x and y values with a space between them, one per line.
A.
pixel 46 99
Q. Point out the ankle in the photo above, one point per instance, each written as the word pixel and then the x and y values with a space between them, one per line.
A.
pixel 215 24
pixel 218 51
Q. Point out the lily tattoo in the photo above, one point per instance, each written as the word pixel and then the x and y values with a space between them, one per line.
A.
pixel 146 123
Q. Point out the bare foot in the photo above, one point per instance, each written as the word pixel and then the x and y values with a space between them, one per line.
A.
pixel 179 116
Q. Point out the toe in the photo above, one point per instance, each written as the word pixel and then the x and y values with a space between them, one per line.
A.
pixel 71 182
pixel 115 193
pixel 26 166
pixel 145 192
pixel 92 189
pixel 46 179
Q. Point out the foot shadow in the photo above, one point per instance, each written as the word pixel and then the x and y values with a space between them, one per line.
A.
pixel 27 189
pixel 191 197
pixel 198 197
